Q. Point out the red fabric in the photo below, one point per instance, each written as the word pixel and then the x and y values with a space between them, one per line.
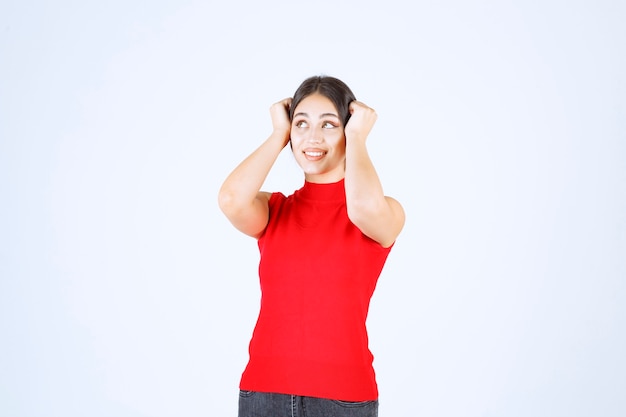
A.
pixel 317 274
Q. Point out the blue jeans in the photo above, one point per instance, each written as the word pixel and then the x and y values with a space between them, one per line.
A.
pixel 261 404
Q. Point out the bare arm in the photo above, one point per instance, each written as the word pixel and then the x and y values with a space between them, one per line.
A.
pixel 379 217
pixel 240 197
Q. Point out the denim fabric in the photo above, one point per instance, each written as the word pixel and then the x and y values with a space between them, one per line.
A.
pixel 260 404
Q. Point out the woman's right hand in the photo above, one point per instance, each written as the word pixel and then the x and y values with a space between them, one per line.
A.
pixel 280 119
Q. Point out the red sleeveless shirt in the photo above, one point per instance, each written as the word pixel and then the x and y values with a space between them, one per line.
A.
pixel 317 274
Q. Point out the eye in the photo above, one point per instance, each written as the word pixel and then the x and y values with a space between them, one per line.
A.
pixel 328 125
pixel 302 124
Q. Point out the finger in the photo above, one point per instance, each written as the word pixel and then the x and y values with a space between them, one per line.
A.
pixel 285 101
pixel 357 105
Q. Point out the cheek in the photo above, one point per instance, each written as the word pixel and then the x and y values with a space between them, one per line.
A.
pixel 338 140
pixel 295 136
pixel 293 139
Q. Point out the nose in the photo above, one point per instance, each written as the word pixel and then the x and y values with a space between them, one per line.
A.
pixel 315 135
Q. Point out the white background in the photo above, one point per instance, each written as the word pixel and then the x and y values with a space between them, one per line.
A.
pixel 502 130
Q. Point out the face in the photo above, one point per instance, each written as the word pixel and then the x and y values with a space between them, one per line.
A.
pixel 317 140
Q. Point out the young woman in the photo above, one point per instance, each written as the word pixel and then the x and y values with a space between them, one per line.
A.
pixel 322 250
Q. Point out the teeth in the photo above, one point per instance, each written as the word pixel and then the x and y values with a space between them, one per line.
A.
pixel 314 153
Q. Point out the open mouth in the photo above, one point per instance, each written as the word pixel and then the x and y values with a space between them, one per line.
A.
pixel 314 154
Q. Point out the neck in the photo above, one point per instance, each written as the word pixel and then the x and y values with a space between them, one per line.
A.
pixel 327 178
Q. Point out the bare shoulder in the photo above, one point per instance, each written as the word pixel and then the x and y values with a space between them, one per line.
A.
pixel 251 219
pixel 264 196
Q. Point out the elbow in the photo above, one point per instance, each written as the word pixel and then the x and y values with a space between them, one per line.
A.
pixel 226 200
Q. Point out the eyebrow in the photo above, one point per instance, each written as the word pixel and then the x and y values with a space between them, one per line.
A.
pixel 321 115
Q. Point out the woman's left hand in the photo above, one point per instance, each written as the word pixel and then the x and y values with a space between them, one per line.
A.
pixel 361 121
